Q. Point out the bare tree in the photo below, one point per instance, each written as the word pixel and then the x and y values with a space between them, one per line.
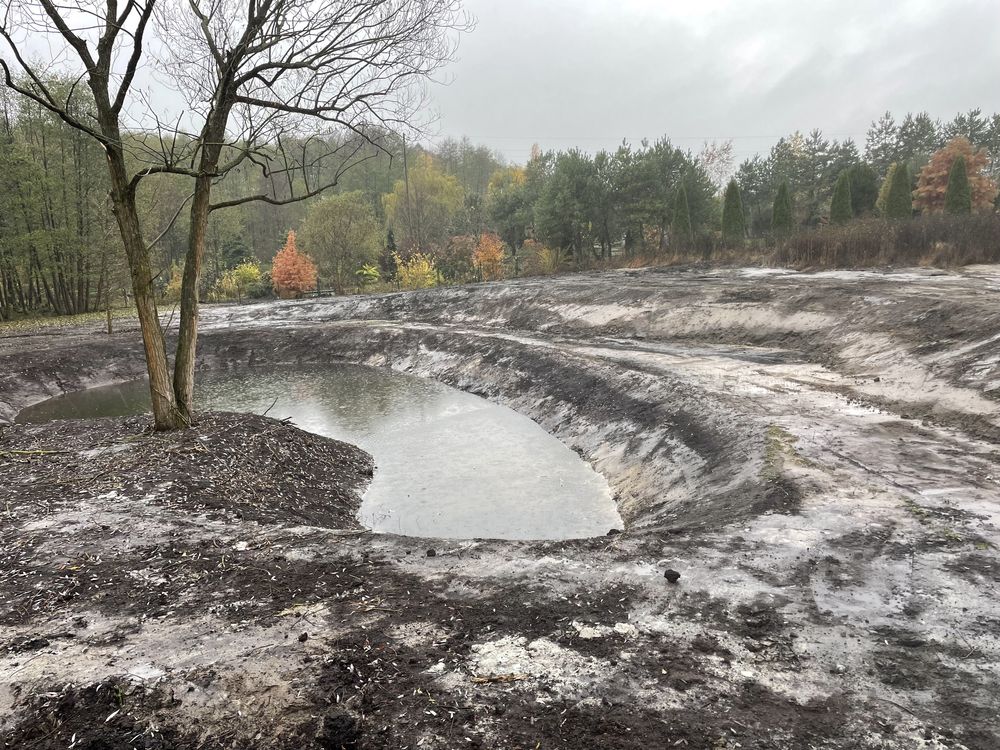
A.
pixel 259 77
pixel 717 159
pixel 98 42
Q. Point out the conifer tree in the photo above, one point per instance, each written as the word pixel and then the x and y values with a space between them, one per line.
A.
pixel 958 197
pixel 387 258
pixel 292 272
pixel 734 225
pixel 899 201
pixel 781 217
pixel 864 189
pixel 841 211
pixel 681 226
pixel 883 192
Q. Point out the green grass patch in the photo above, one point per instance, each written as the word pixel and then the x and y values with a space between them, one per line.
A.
pixel 779 444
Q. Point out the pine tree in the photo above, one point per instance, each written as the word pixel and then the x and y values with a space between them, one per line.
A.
pixel 899 201
pixel 680 228
pixel 958 197
pixel 841 211
pixel 734 225
pixel 864 189
pixel 781 218
pixel 882 143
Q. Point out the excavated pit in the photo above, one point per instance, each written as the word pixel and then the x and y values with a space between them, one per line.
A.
pixel 668 459
pixel 815 454
pixel 448 464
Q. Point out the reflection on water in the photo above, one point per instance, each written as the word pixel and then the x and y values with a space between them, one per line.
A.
pixel 449 464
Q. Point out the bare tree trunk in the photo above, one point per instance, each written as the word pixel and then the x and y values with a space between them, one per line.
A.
pixel 187 337
pixel 166 416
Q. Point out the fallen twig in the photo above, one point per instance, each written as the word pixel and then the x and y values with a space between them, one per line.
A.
pixel 30 453
pixel 270 407
pixel 482 679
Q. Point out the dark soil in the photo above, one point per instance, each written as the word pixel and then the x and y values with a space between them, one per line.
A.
pixel 228 467
pixel 241 466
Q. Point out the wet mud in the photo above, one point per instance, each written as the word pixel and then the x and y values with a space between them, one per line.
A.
pixel 814 455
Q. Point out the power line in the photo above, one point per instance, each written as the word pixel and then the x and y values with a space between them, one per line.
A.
pixel 619 137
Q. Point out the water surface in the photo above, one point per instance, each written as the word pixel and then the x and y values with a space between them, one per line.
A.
pixel 448 463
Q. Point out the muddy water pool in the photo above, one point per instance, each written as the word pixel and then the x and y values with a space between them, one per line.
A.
pixel 448 463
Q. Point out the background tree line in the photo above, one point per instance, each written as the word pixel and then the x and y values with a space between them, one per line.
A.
pixel 810 164
pixel 411 215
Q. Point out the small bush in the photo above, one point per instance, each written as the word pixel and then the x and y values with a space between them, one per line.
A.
pixel 540 260
pixel 172 291
pixel 417 272
pixel 368 275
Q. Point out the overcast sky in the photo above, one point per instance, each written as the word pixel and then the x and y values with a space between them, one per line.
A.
pixel 587 73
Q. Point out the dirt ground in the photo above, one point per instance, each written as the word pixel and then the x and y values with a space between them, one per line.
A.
pixel 815 454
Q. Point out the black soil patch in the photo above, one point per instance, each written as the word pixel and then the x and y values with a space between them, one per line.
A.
pixel 249 466
pixel 113 479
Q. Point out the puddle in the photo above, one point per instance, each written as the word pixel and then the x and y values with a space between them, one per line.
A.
pixel 449 464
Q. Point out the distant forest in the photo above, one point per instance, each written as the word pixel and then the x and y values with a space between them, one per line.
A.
pixel 407 215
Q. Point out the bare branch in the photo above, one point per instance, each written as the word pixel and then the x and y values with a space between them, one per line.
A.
pixel 170 223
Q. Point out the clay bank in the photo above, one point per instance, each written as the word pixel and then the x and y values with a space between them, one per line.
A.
pixel 805 467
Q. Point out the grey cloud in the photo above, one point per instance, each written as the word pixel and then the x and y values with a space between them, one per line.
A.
pixel 588 73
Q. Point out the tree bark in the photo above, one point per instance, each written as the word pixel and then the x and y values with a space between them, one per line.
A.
pixel 166 416
pixel 212 137
pixel 187 336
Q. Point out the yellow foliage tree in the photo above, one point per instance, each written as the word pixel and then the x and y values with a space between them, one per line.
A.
pixel 488 257
pixel 424 210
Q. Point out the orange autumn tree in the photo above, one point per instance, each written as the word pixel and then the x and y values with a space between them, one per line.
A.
pixel 932 185
pixel 488 257
pixel 292 272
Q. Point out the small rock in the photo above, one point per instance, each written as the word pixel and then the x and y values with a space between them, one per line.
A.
pixel 878 380
pixel 614 532
pixel 303 638
pixel 431 552
pixel 626 628
pixel 671 575
pixel 838 669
